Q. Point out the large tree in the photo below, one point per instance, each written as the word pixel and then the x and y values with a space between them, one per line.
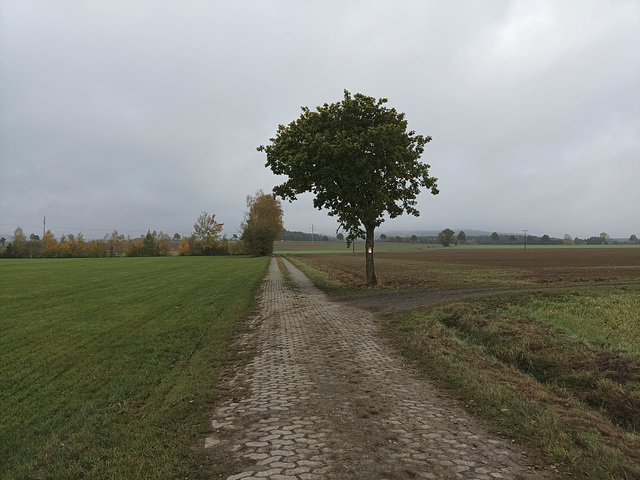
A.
pixel 359 160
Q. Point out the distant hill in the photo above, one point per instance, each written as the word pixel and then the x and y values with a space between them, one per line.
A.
pixel 433 233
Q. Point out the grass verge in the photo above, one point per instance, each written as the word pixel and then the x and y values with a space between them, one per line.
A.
pixel 577 405
pixel 110 366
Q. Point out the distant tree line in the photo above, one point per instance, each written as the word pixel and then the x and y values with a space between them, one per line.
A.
pixel 75 246
pixel 448 237
pixel 68 246
pixel 287 236
pixel 261 227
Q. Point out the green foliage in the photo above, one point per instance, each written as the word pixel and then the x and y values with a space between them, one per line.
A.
pixel 357 157
pixel 111 369
pixel 445 237
pixel 258 240
pixel 149 245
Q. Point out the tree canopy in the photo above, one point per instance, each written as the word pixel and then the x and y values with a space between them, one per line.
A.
pixel 358 158
pixel 445 237
pixel 206 235
pixel 263 223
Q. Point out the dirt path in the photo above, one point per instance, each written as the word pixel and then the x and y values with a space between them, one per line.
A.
pixel 392 302
pixel 325 399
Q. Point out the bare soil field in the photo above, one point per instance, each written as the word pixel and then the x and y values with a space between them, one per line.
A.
pixel 421 269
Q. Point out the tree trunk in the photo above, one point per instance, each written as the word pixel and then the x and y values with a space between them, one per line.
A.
pixel 371 273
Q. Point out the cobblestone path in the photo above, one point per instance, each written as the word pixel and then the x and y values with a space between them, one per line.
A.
pixel 324 398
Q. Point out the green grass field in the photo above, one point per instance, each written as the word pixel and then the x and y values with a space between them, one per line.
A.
pixel 110 366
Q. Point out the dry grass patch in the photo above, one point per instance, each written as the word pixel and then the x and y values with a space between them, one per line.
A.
pixel 574 403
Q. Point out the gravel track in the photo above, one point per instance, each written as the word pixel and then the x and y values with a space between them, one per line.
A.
pixel 325 398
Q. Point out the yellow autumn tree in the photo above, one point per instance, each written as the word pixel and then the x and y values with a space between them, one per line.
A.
pixel 63 249
pixel 262 225
pixel 78 246
pixel 184 248
pixel 49 244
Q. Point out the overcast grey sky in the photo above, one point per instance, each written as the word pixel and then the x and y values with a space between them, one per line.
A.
pixel 136 114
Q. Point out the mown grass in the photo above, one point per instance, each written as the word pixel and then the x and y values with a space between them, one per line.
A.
pixel 110 366
pixel 605 317
pixel 558 370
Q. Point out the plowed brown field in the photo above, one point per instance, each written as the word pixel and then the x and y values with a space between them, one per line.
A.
pixel 452 268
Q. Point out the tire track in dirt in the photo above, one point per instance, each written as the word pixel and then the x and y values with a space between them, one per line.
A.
pixel 324 398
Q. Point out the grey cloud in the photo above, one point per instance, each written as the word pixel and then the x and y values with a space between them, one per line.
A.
pixel 141 114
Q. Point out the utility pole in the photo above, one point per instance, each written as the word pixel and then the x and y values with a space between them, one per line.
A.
pixel 44 226
pixel 312 233
pixel 525 238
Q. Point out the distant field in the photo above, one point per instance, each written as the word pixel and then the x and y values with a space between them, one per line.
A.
pixel 341 247
pixel 444 268
pixel 109 366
